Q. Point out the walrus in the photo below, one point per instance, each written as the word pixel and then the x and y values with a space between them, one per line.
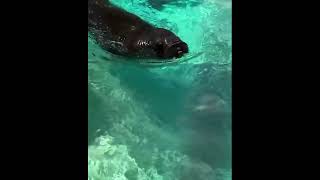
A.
pixel 123 33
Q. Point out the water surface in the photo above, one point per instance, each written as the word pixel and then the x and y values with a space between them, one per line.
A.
pixel 167 122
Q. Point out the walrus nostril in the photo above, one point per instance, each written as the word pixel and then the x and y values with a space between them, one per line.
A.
pixel 179 54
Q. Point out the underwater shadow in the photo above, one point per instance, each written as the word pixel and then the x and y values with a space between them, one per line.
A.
pixel 206 122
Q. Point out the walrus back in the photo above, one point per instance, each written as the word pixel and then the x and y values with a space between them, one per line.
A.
pixel 103 11
pixel 113 27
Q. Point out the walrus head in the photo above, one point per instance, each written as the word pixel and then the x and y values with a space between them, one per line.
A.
pixel 159 43
pixel 167 45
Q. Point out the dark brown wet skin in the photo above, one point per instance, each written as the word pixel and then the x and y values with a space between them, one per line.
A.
pixel 120 32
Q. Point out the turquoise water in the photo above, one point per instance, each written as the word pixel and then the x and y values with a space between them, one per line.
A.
pixel 164 122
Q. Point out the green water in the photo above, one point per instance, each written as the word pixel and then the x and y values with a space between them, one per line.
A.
pixel 168 122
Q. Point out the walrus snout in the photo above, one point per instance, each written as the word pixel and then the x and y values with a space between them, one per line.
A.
pixel 177 49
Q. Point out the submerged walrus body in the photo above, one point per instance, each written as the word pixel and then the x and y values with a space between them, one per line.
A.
pixel 123 33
